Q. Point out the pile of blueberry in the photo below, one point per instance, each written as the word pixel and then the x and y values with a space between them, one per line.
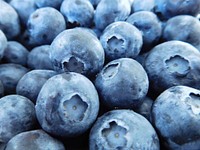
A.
pixel 99 75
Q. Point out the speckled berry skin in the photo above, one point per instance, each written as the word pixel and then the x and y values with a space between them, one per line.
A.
pixel 123 129
pixel 122 83
pixel 35 139
pixel 77 50
pixel 121 40
pixel 67 105
pixel 10 74
pixel 40 29
pixel 17 115
pixel 173 63
pixel 9 19
pixel 183 28
pixel 31 83
pixel 176 116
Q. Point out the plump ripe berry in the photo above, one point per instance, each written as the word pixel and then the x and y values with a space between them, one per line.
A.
pixel 176 116
pixel 150 26
pixel 122 83
pixel 77 50
pixel 121 40
pixel 31 83
pixel 173 63
pixel 166 9
pixel 77 13
pixel 123 129
pixel 40 29
pixel 109 11
pixel 34 140
pixel 10 74
pixel 67 105
pixel 16 53
pixel 183 28
pixel 17 115
pixel 9 20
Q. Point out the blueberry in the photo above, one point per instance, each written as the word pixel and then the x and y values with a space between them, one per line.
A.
pixel 10 74
pixel 176 116
pixel 77 13
pixel 1 89
pixel 43 26
pixel 67 105
pixel 34 140
pixel 15 53
pixel 77 50
pixel 9 20
pixel 17 115
pixel 183 28
pixel 142 57
pixel 142 5
pixel 38 58
pixel 123 129
pixel 121 39
pixel 31 83
pixel 108 11
pixel 122 83
pixel 24 8
pixel 173 63
pixel 166 9
pixel 145 108
pixel 150 26
pixel 48 3
pixel 3 43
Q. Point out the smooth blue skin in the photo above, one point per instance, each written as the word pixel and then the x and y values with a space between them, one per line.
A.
pixel 123 129
pixel 1 89
pixel 150 26
pixel 121 40
pixel 43 26
pixel 17 115
pixel 108 11
pixel 175 114
pixel 38 58
pixel 122 83
pixel 166 9
pixel 3 43
pixel 15 53
pixel 48 3
pixel 67 105
pixel 142 5
pixel 77 50
pixel 77 13
pixel 31 83
pixel 10 74
pixel 35 139
pixel 24 8
pixel 9 20
pixel 183 28
pixel 173 63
